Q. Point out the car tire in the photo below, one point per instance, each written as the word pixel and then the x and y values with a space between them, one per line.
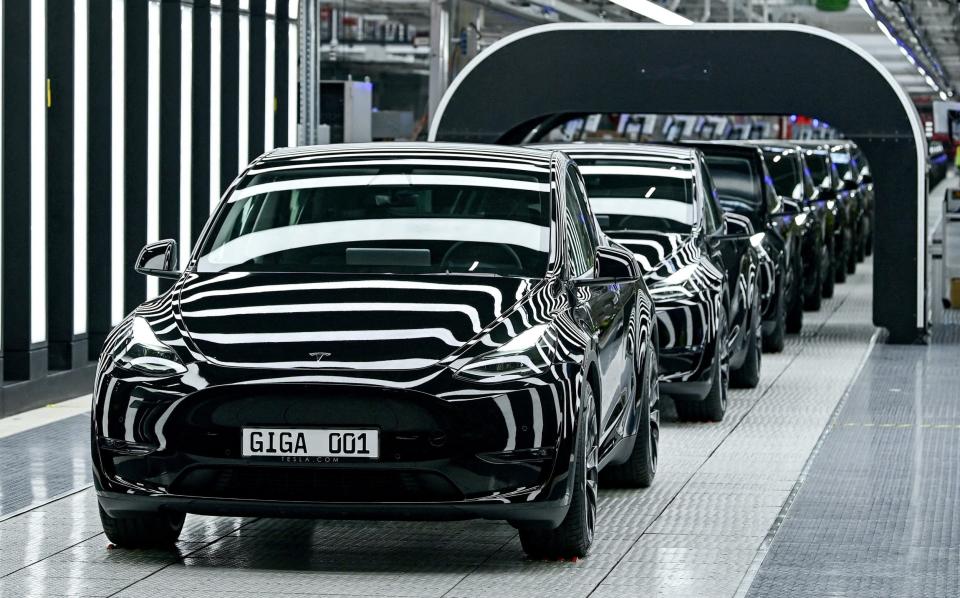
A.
pixel 852 255
pixel 142 531
pixel 748 374
pixel 712 407
pixel 774 342
pixel 814 301
pixel 840 259
pixel 573 537
pixel 829 277
pixel 639 470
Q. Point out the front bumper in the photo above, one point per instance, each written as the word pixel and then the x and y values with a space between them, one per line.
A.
pixel 548 513
pixel 505 455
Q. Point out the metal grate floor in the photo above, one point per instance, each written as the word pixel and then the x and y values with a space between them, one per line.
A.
pixel 697 532
pixel 876 514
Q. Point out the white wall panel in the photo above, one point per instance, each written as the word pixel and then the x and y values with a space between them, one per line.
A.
pixel 153 133
pixel 80 29
pixel 292 73
pixel 243 85
pixel 116 161
pixel 186 128
pixel 38 172
pixel 215 31
pixel 270 95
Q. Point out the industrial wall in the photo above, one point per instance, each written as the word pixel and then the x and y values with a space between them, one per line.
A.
pixel 122 122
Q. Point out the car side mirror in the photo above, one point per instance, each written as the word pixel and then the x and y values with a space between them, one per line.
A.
pixel 790 205
pixel 850 185
pixel 611 266
pixel 736 226
pixel 866 179
pixel 159 259
pixel 612 263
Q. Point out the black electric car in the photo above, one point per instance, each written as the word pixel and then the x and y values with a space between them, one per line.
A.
pixel 855 173
pixel 832 189
pixel 794 185
pixel 746 191
pixel 701 268
pixel 384 331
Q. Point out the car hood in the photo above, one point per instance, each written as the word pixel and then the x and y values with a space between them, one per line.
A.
pixel 659 254
pixel 331 322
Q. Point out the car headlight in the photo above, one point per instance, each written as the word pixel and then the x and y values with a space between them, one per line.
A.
pixel 801 219
pixel 143 352
pixel 757 239
pixel 528 353
pixel 674 286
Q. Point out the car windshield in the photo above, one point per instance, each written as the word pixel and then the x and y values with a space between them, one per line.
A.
pixel 405 220
pixel 640 194
pixel 786 173
pixel 736 182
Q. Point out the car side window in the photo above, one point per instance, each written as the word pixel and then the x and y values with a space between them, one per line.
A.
pixel 581 250
pixel 774 204
pixel 711 210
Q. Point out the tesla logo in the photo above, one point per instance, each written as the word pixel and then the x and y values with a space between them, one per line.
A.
pixel 319 355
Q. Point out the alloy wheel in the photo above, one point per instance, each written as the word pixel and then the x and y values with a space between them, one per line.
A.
pixel 591 466
pixel 724 365
pixel 654 399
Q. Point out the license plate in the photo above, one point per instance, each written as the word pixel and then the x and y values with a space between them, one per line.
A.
pixel 288 442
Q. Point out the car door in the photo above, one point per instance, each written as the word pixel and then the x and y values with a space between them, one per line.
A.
pixel 599 306
pixel 729 250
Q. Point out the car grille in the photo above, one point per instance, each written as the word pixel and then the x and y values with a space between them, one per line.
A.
pixel 315 485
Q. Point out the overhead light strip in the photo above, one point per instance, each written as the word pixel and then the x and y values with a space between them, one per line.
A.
pixel 653 11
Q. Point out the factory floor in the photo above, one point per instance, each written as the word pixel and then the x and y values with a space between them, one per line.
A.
pixel 836 476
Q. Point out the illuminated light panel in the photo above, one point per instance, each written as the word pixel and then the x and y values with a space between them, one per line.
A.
pixel 243 85
pixel 653 11
pixel 215 30
pixel 116 162
pixel 186 151
pixel 153 133
pixel 38 172
pixel 269 84
pixel 293 73
pixel 80 34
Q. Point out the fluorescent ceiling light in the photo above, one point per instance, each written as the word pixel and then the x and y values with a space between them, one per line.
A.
pixel 653 12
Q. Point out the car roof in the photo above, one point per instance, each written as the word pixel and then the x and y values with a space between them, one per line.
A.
pixel 728 147
pixel 782 145
pixel 510 157
pixel 622 149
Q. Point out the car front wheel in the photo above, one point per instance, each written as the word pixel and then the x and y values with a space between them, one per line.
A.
pixel 145 530
pixel 573 537
pixel 639 470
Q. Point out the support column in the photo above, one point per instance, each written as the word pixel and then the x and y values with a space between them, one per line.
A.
pixel 170 115
pixel 229 92
pixel 24 191
pixel 281 76
pixel 135 46
pixel 257 78
pixel 200 121
pixel 66 349
pixel 99 177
